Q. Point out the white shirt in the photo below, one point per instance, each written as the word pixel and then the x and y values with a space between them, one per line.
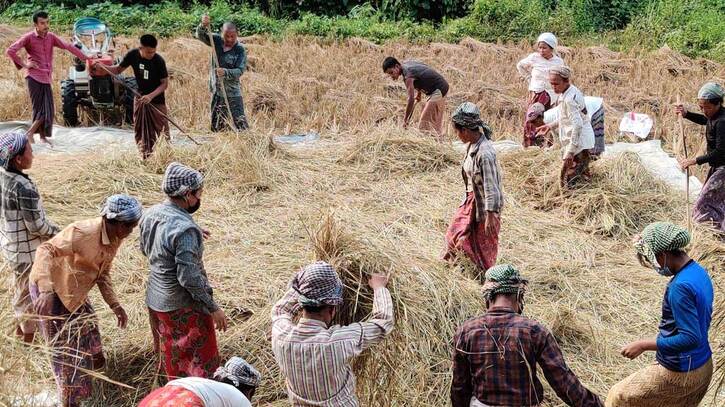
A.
pixel 575 127
pixel 212 392
pixel 535 68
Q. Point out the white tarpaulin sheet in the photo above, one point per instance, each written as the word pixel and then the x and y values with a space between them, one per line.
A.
pixel 638 124
pixel 78 139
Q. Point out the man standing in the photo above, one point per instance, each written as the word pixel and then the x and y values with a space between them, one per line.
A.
pixel 224 79
pixel 39 45
pixel 575 128
pixel 314 356
pixel 182 309
pixel 23 224
pixel 683 370
pixel 423 79
pixel 149 110
pixel 495 355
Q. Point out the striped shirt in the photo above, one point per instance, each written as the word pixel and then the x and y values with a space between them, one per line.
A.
pixel 486 177
pixel 23 224
pixel 316 359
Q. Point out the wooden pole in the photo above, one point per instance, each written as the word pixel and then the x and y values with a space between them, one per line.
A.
pixel 220 82
pixel 683 139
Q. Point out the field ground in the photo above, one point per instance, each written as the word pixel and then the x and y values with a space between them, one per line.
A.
pixel 371 197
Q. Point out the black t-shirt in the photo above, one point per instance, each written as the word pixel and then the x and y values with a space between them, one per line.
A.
pixel 148 72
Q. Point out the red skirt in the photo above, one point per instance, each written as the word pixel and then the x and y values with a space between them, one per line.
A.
pixel 171 396
pixel 186 341
pixel 480 247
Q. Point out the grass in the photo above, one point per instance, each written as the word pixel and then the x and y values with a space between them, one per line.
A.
pixel 371 197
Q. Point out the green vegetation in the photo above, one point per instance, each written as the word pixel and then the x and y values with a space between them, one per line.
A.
pixel 694 27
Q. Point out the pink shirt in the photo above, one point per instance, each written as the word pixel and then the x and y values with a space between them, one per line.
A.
pixel 40 51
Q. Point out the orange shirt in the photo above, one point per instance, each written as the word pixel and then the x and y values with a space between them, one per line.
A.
pixel 74 260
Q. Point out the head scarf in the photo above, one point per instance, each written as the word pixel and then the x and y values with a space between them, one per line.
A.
pixel 660 237
pixel 467 115
pixel 122 208
pixel 180 179
pixel 561 70
pixel 318 284
pixel 503 279
pixel 711 90
pixel 549 39
pixel 535 110
pixel 11 144
pixel 239 371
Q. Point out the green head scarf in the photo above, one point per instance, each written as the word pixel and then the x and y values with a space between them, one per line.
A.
pixel 660 237
pixel 503 279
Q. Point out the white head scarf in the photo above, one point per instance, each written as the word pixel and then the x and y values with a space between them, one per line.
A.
pixel 549 39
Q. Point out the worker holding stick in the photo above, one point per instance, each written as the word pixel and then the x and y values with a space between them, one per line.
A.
pixel 227 65
pixel 710 205
pixel 149 109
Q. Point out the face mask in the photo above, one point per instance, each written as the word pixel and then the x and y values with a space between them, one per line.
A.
pixel 664 271
pixel 194 208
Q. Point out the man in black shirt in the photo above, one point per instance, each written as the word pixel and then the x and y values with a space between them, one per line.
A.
pixel 149 110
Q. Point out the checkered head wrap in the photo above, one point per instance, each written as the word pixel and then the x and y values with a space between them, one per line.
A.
pixel 561 70
pixel 468 115
pixel 11 144
pixel 180 179
pixel 318 284
pixel 535 110
pixel 122 208
pixel 660 237
pixel 503 279
pixel 238 371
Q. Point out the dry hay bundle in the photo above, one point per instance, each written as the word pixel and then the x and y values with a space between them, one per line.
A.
pixel 405 153
pixel 363 44
pixel 265 96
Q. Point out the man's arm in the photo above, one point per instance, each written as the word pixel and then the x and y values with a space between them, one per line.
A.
pixel 63 44
pixel 235 73
pixel 49 256
pixel 202 34
pixel 564 382
pixel 284 312
pixel 684 310
pixel 188 269
pixel 33 214
pixel 161 89
pixel 411 100
pixel 105 286
pixel 12 51
pixel 461 385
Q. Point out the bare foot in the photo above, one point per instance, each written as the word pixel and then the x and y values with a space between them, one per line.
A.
pixel 46 141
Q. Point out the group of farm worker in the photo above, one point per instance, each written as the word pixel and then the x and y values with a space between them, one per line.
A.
pixel 150 113
pixel 494 355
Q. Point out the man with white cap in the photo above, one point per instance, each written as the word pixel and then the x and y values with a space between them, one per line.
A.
pixel 23 224
pixel 66 268
pixel 535 68
pixel 314 355
pixel 233 385
pixel 575 128
pixel 182 309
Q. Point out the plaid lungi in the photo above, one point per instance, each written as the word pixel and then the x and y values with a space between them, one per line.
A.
pixel 148 124
pixel 41 97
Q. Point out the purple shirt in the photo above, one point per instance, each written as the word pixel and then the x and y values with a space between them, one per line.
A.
pixel 40 51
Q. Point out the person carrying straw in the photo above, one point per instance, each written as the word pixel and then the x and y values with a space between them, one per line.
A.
pixel 225 70
pixel 710 205
pixel 66 269
pixel 476 224
pixel 182 309
pixel 495 356
pixel 23 225
pixel 313 354
pixel 149 109
pixel 684 366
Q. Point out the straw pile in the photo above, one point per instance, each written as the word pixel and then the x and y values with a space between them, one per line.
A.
pixel 374 199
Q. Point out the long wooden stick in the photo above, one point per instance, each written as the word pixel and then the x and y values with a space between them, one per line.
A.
pixel 220 81
pixel 687 170
pixel 138 95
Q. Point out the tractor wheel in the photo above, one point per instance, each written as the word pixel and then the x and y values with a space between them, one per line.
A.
pixel 130 82
pixel 70 102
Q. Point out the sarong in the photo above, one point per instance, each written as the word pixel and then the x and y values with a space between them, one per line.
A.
pixel 22 303
pixel 530 137
pixel 219 121
pixel 578 171
pixel 171 396
pixel 75 342
pixel 598 126
pixel 710 205
pixel 655 386
pixel 148 125
pixel 41 97
pixel 480 247
pixel 186 341
pixel 431 118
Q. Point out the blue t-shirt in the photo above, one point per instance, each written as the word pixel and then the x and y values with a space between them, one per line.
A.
pixel 682 343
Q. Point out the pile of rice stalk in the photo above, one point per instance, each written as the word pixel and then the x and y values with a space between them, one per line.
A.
pixel 411 366
pixel 621 198
pixel 388 151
